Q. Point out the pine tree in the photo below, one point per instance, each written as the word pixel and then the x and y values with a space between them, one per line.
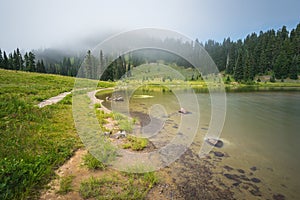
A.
pixel 101 65
pixel 5 61
pixel 238 70
pixel 1 60
pixel 26 60
pixel 281 67
pixel 10 61
pixel 15 61
pixel 31 62
pixel 43 68
pixel 294 68
pixel 88 64
pixel 20 61
pixel 38 66
pixel 248 67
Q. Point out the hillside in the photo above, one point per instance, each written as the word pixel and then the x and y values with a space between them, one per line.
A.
pixel 33 141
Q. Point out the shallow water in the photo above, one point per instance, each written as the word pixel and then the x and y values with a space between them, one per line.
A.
pixel 261 129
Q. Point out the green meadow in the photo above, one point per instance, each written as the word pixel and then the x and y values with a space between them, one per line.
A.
pixel 33 141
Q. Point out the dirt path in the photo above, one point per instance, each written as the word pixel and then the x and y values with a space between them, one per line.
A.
pixel 53 100
pixel 94 100
pixel 74 166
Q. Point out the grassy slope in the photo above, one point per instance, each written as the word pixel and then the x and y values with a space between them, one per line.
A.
pixel 33 141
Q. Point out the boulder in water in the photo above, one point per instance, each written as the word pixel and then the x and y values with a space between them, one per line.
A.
pixel 215 142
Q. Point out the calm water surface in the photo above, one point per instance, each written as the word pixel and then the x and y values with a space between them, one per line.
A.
pixel 261 129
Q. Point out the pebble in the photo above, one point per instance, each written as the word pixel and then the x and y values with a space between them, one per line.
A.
pixel 236 184
pixel 255 180
pixel 175 126
pixel 218 154
pixel 253 168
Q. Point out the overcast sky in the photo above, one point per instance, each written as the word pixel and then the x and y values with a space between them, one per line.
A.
pixel 32 24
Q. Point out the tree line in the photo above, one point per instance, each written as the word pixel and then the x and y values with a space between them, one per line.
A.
pixel 15 61
pixel 276 53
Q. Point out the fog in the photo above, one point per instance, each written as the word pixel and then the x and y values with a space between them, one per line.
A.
pixel 72 24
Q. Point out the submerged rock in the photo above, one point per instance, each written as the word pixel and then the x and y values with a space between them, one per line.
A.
pixel 253 168
pixel 232 177
pixel 228 168
pixel 278 197
pixel 255 180
pixel 255 192
pixel 236 184
pixel 219 154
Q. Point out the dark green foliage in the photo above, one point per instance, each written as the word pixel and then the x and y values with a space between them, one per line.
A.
pixel 272 79
pixel 258 54
pixel 294 68
pixel 239 70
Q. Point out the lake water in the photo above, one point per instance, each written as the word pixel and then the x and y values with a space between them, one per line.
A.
pixel 261 129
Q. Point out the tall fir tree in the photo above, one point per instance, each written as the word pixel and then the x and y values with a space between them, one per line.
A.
pixel 31 62
pixel 294 68
pixel 281 67
pixel 5 61
pixel 239 70
pixel 1 60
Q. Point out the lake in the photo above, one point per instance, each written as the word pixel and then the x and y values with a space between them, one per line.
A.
pixel 261 132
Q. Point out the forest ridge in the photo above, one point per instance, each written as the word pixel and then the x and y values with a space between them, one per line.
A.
pixel 276 53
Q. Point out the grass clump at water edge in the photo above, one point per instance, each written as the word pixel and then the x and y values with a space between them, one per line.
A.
pixel 119 186
pixel 135 143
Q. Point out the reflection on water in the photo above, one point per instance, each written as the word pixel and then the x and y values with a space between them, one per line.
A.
pixel 261 130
